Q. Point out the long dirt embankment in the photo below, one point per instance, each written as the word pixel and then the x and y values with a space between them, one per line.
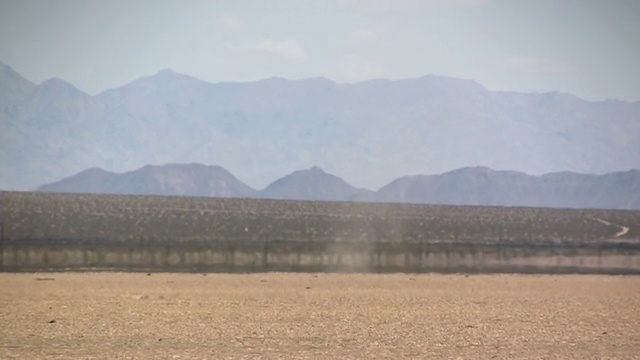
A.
pixel 323 257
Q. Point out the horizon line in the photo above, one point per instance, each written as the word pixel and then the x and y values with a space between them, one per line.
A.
pixel 319 77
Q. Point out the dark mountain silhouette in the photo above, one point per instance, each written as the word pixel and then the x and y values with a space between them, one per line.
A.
pixel 465 186
pixel 310 184
pixel 369 133
pixel 484 186
pixel 173 179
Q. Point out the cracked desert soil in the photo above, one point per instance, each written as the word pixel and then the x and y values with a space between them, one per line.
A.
pixel 317 316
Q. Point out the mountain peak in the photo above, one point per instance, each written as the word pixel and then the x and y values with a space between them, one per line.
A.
pixel 58 85
pixel 56 89
pixel 12 85
pixel 170 75
pixel 318 80
pixel 471 170
pixel 166 83
pixel 166 73
pixel 312 172
pixel 7 70
pixel 450 83
pixel 310 184
pixel 94 171
pixel 193 168
pixel 171 179
pixel 482 171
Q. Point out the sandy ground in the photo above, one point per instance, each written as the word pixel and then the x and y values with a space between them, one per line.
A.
pixel 317 316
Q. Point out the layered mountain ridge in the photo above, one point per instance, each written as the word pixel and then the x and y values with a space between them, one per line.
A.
pixel 368 133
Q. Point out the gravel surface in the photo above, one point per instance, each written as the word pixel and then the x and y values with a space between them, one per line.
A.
pixel 317 316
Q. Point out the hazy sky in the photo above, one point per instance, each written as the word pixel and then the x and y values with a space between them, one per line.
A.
pixel 590 48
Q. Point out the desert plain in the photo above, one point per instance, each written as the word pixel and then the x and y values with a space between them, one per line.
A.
pixel 318 316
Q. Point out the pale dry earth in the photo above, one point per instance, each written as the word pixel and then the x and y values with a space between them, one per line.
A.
pixel 318 316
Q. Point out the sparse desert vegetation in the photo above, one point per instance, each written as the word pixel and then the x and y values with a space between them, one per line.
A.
pixel 148 233
pixel 113 218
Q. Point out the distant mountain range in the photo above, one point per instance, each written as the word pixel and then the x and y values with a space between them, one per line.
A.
pixel 368 133
pixel 173 179
pixel 466 186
